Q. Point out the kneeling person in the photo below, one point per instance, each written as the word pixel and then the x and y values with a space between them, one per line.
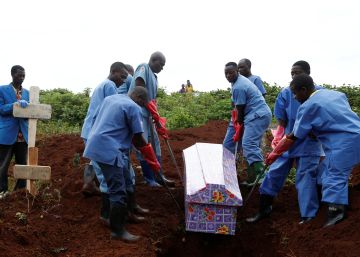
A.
pixel 117 126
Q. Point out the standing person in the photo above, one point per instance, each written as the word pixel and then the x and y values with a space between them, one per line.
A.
pixel 117 126
pixel 189 87
pixel 145 77
pixel 244 67
pixel 13 131
pixel 327 115
pixel 118 74
pixel 251 116
pixel 183 89
pixel 305 153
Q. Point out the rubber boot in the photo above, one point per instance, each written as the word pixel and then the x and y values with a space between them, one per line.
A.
pixel 148 174
pixel 117 224
pixel 105 209
pixel 255 171
pixel 265 208
pixel 336 213
pixel 89 187
pixel 161 179
pixel 305 220
pixel 131 209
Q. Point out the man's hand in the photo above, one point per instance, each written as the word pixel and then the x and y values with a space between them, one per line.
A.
pixel 278 135
pixel 23 103
pixel 161 128
pixel 152 107
pixel 149 155
pixel 283 146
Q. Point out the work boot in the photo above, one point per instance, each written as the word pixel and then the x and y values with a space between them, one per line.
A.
pixel 131 209
pixel 89 187
pixel 253 171
pixel 105 209
pixel 161 179
pixel 336 213
pixel 117 224
pixel 265 208
pixel 148 174
pixel 305 220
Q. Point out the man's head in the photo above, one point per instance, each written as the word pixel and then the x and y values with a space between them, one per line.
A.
pixel 140 96
pixel 130 69
pixel 17 74
pixel 300 67
pixel 118 73
pixel 302 86
pixel 231 72
pixel 188 82
pixel 157 62
pixel 182 86
pixel 244 67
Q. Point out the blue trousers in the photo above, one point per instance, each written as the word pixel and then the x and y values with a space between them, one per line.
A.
pixel 251 140
pixel 307 168
pixel 128 170
pixel 115 180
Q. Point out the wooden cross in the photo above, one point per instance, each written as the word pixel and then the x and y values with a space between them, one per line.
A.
pixel 33 112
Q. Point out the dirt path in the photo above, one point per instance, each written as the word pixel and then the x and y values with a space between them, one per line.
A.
pixel 62 222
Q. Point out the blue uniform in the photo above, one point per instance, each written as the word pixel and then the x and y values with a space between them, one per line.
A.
pixel 306 154
pixel 106 88
pixel 258 83
pixel 328 115
pixel 9 125
pixel 118 119
pixel 151 84
pixel 257 119
pixel 103 90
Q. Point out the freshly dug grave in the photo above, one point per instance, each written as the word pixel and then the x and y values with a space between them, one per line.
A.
pixel 60 221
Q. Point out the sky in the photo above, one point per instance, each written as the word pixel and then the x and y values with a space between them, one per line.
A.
pixel 72 43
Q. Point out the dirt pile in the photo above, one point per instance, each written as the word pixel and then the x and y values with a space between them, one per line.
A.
pixel 62 222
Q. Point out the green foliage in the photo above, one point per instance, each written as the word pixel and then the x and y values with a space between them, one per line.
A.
pixel 181 110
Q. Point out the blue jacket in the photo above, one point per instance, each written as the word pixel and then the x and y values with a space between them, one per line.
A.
pixel 9 125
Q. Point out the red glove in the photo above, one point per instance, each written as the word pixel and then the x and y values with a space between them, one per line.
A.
pixel 152 107
pixel 150 157
pixel 160 122
pixel 278 135
pixel 281 148
pixel 161 130
pixel 239 128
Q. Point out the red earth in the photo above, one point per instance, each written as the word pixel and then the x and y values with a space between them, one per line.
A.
pixel 60 221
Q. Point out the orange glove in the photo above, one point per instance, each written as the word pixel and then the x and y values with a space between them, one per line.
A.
pixel 239 128
pixel 149 155
pixel 160 122
pixel 278 135
pixel 281 148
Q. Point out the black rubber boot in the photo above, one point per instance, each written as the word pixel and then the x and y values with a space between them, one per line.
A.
pixel 105 209
pixel 131 209
pixel 336 213
pixel 264 209
pixel 117 224
pixel 305 220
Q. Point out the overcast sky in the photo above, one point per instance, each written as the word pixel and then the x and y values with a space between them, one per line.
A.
pixel 72 43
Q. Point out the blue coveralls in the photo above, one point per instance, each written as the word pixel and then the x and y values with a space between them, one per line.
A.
pixel 104 89
pixel 328 115
pixel 258 82
pixel 151 84
pixel 306 154
pixel 118 119
pixel 257 119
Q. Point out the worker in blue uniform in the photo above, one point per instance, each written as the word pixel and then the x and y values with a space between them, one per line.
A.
pixel 305 153
pixel 251 117
pixel 117 126
pixel 244 67
pixel 145 76
pixel 327 115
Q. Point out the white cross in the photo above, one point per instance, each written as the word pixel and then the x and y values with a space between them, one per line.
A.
pixel 33 112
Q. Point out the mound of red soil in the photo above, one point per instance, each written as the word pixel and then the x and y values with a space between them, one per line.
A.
pixel 60 221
